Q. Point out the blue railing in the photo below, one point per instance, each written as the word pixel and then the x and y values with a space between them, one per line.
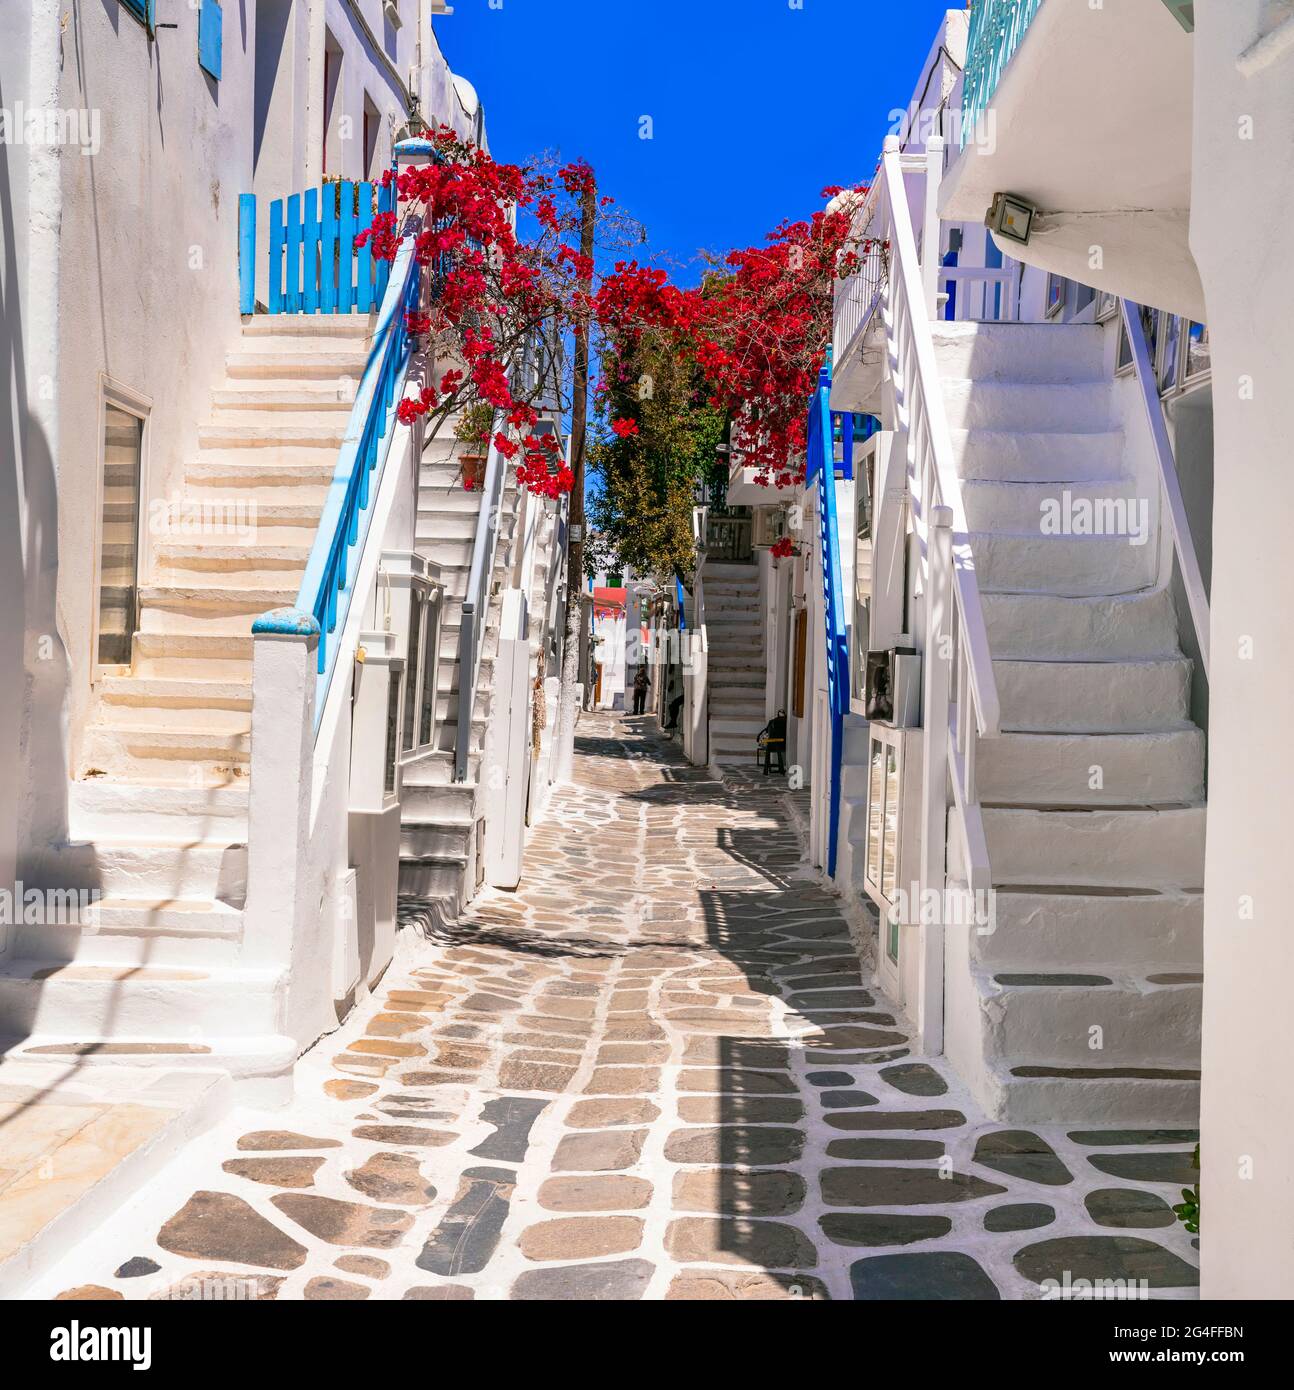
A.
pixel 327 586
pixel 996 30
pixel 821 466
pixel 313 266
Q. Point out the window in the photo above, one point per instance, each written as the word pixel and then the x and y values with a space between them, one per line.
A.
pixel 391 750
pixel 143 10
pixel 1171 352
pixel 421 668
pixel 372 125
pixel 1055 294
pixel 122 442
pixel 1198 362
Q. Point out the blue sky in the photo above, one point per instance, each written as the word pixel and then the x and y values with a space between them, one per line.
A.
pixel 755 104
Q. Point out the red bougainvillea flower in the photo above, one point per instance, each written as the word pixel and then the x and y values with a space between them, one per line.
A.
pixel 625 428
pixel 783 549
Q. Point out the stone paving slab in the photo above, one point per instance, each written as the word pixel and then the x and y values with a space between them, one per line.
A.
pixel 656 1071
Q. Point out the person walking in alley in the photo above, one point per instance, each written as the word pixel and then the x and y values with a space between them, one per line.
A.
pixel 641 682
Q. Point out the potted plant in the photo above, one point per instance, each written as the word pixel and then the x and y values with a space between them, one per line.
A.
pixel 473 433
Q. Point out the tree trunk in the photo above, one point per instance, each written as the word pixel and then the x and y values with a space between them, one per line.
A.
pixel 567 711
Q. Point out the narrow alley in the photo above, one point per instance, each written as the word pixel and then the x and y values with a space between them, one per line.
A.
pixel 651 1073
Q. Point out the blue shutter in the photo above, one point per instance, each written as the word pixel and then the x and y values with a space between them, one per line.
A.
pixel 210 41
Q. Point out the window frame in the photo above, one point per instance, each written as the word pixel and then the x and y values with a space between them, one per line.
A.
pixel 428 608
pixel 130 402
pixel 145 11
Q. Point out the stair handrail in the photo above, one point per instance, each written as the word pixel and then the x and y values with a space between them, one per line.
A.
pixel 821 467
pixel 1188 562
pixel 327 584
pixel 476 599
pixel 932 469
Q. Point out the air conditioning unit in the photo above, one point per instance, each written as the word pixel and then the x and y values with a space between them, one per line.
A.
pixel 769 527
pixel 391 9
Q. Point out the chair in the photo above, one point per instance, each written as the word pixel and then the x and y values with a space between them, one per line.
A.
pixel 771 743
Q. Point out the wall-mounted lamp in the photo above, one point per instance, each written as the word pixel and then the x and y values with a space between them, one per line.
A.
pixel 1011 217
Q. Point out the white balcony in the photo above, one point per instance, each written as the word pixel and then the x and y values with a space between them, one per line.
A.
pixel 1091 121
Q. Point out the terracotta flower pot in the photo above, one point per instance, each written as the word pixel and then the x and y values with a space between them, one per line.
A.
pixel 473 471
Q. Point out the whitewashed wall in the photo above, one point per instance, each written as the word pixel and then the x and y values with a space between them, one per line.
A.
pixel 124 263
pixel 1247 1124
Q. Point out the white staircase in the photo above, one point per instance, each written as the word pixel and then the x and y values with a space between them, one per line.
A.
pixel 441 818
pixel 1086 994
pixel 737 663
pixel 157 814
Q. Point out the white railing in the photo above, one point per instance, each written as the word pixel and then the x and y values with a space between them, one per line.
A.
pixel 695 657
pixel 960 698
pixel 983 294
pixel 858 296
pixel 476 600
pixel 932 471
pixel 1188 563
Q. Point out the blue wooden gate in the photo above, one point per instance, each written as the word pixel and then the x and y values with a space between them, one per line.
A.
pixel 312 264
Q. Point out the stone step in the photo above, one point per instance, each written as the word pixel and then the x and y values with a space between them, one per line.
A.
pixel 1065 408
pixel 101 809
pixel 129 932
pixel 258 1064
pixel 1095 1094
pixel 343 361
pixel 210 870
pixel 194 656
pixel 727 674
pixel 1023 507
pixel 436 770
pixel 103 1136
pixel 1037 456
pixel 271 566
pixel 297 332
pixel 176 693
pixel 327 432
pixel 1110 847
pixel 435 878
pixel 250 398
pixel 1049 1017
pixel 725 726
pixel 1094 696
pixel 1165 767
pixel 420 841
pixel 1143 932
pixel 732 571
pixel 1046 627
pixel 95 999
pixel 1021 352
pixel 208 609
pixel 1068 565
pixel 448 802
pixel 148 755
pixel 291 474
pixel 274 516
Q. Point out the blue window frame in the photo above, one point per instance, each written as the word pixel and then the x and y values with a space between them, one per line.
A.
pixel 143 10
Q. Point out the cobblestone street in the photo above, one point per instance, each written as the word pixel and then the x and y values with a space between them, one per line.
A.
pixel 653 1072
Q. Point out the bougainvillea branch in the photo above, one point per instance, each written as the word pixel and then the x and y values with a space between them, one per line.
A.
pixel 493 295
pixel 756 328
